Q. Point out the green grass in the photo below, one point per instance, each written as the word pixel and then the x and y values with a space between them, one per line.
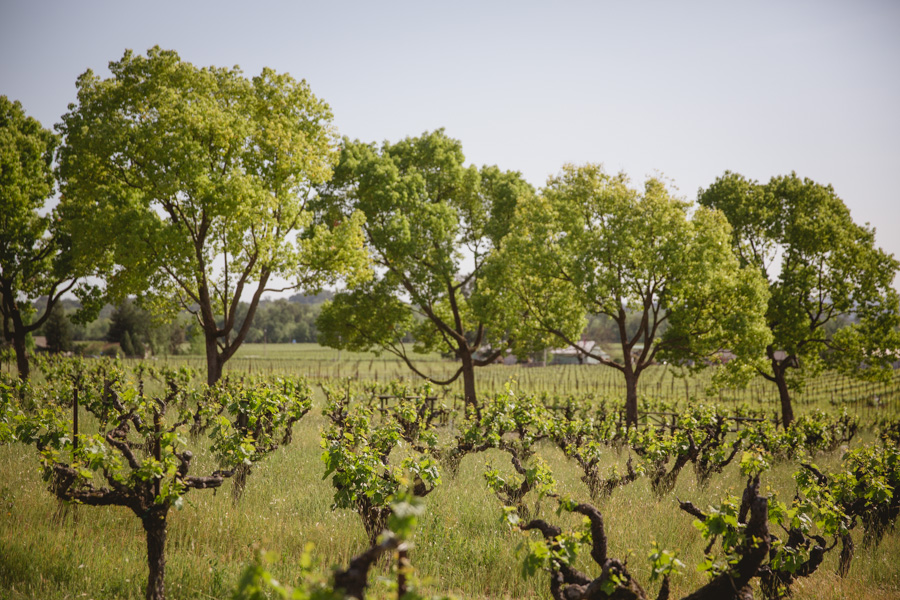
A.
pixel 461 546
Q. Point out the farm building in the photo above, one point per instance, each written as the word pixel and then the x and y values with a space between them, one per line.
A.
pixel 577 354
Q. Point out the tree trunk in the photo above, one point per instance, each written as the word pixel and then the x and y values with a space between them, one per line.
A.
pixel 787 412
pixel 12 316
pixel 213 360
pixel 21 352
pixel 468 375
pixel 155 526
pixel 631 405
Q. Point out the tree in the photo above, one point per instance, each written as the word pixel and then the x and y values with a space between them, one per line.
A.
pixel 832 302
pixel 128 319
pixel 284 321
pixel 591 244
pixel 34 260
pixel 190 187
pixel 58 330
pixel 430 224
pixel 125 344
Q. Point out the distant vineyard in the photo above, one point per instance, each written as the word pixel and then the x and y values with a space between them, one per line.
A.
pixel 662 383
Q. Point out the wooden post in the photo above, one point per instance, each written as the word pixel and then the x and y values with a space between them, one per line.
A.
pixel 402 568
pixel 75 420
pixel 157 449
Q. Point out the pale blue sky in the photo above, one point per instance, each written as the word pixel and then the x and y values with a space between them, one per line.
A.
pixel 688 89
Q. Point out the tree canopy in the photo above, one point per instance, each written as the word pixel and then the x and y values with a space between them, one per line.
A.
pixel 190 187
pixel 832 302
pixel 592 244
pixel 431 224
pixel 34 261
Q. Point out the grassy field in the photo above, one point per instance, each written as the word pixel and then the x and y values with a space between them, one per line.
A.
pixel 461 546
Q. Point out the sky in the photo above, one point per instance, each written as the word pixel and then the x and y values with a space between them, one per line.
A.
pixel 683 89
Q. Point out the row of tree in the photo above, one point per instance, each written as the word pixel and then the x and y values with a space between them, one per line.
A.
pixel 774 279
pixel 199 190
pixel 136 331
pixel 127 325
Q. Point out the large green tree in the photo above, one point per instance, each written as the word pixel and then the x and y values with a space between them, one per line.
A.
pixel 431 223
pixel 832 302
pixel 591 244
pixel 34 261
pixel 190 187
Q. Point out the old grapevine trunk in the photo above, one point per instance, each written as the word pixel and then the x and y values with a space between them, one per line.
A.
pixel 155 527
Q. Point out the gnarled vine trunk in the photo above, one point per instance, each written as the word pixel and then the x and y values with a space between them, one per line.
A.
pixel 155 527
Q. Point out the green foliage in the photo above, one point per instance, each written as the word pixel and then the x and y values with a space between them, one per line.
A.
pixel 512 489
pixel 98 457
pixel 260 415
pixel 592 244
pixel 365 318
pixel 257 583
pixel 26 182
pixel 754 463
pixel 431 224
pixel 832 301
pixel 189 187
pixel 864 488
pixel 585 439
pixel 282 321
pixel 130 326
pixel 34 257
pixel 722 523
pixel 560 549
pixel 698 437
pixel 889 431
pixel 26 152
pixel 808 435
pixel 510 418
pixel 357 457
pixel 246 420
pixel 663 563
